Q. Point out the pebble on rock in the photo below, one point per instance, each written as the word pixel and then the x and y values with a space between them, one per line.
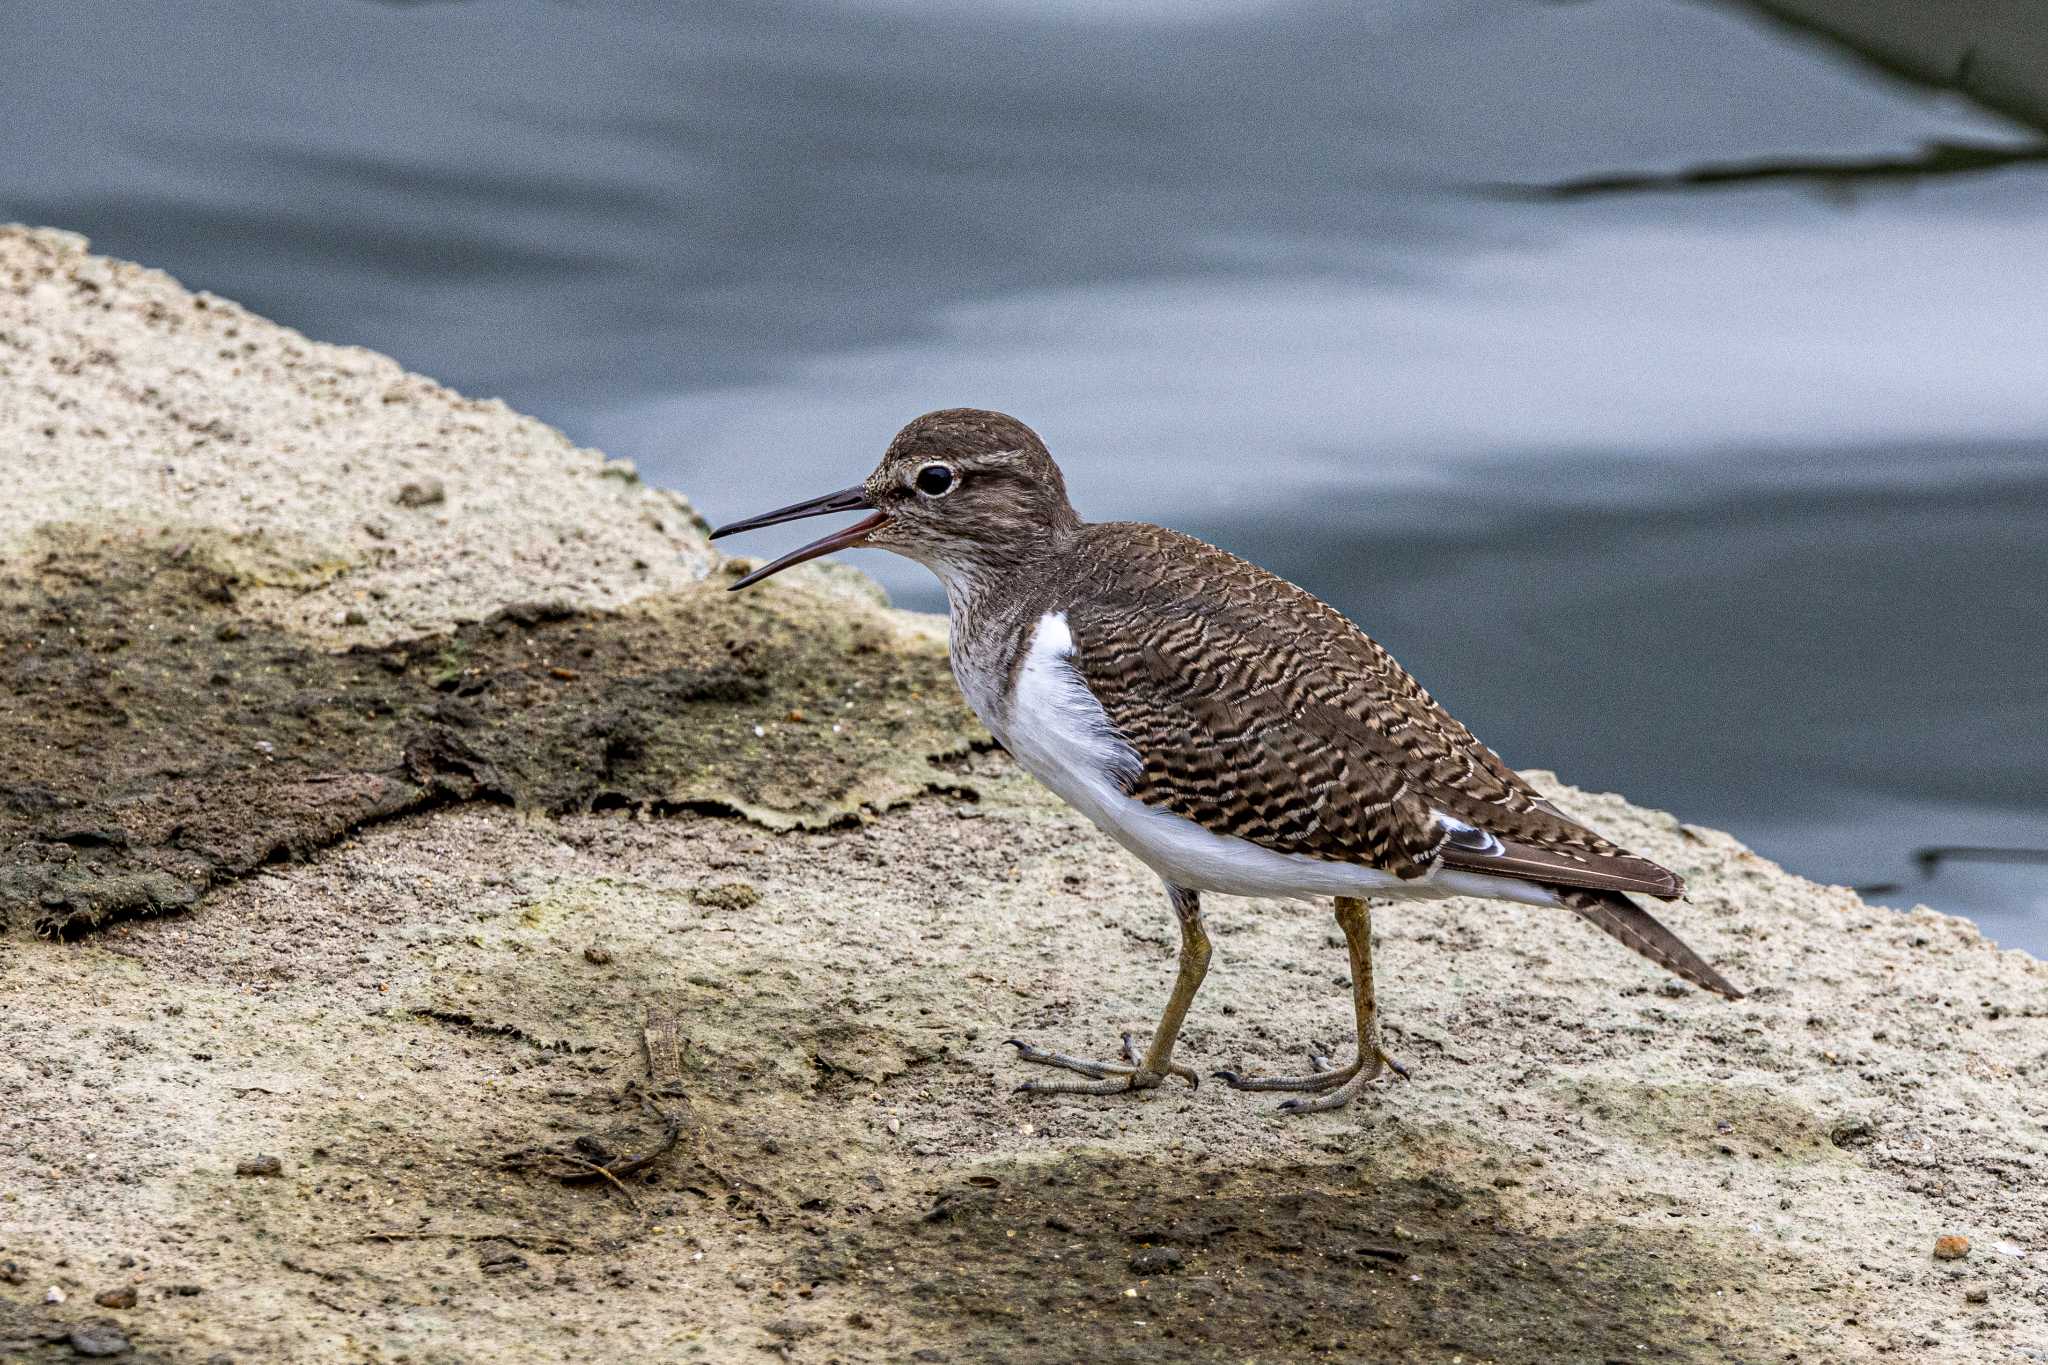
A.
pixel 726 896
pixel 1951 1247
pixel 1156 1261
pixel 98 1339
pixel 1977 1293
pixel 425 493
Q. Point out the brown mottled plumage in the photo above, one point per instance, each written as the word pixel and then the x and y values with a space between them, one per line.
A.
pixel 1229 698
pixel 1262 712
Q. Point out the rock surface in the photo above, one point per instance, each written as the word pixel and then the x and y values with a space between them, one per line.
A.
pixel 130 404
pixel 657 1011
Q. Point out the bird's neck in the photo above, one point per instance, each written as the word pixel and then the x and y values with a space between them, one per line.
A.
pixel 995 600
pixel 968 588
pixel 987 581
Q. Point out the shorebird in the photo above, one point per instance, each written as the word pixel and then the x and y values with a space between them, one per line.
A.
pixel 1237 734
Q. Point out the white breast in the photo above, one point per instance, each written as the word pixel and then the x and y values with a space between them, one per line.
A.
pixel 1055 727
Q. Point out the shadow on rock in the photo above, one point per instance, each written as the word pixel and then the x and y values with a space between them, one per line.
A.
pixel 1145 1261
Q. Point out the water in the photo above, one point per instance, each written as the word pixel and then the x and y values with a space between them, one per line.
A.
pixel 1735 500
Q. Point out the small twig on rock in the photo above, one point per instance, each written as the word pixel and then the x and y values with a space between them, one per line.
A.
pixel 596 1161
pixel 591 1168
pixel 511 1238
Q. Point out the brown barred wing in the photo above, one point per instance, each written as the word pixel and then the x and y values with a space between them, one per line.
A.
pixel 1220 710
pixel 1258 710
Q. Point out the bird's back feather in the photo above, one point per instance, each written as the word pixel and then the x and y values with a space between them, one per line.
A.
pixel 1259 711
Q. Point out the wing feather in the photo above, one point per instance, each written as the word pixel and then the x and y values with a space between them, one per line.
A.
pixel 1259 711
pixel 1621 872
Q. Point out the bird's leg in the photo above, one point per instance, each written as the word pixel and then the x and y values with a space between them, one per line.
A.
pixel 1135 1072
pixel 1337 1087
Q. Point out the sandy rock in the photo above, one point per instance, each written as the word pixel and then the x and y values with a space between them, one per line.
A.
pixel 125 400
pixel 256 592
pixel 784 1120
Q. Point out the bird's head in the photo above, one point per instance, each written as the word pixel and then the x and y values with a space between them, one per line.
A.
pixel 964 491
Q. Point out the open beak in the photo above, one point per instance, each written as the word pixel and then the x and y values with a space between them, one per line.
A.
pixel 845 500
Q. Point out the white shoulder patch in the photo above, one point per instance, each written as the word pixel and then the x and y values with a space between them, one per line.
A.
pixel 1056 726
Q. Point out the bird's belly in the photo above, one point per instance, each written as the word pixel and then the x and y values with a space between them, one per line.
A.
pixel 1185 854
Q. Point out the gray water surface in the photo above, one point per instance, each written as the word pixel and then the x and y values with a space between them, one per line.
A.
pixel 1733 500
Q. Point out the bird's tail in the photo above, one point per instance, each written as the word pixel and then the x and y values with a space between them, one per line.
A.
pixel 1623 919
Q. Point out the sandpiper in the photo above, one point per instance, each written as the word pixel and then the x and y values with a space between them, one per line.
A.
pixel 1234 732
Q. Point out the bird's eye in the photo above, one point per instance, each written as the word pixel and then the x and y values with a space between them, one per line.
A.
pixel 934 480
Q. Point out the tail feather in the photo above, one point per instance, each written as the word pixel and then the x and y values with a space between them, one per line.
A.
pixel 1634 926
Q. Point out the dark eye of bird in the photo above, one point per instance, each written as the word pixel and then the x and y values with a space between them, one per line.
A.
pixel 934 479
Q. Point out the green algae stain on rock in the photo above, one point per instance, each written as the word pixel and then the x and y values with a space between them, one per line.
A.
pixel 155 740
pixel 257 560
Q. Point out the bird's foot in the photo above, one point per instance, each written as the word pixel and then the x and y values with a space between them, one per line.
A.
pixel 1332 1086
pixel 1104 1078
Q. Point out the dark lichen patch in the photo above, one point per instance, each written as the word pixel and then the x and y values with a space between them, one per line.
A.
pixel 155 740
pixel 1354 1262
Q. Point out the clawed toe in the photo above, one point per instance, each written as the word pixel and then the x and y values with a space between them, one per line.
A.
pixel 1091 1069
pixel 1110 1085
pixel 1324 1088
pixel 1358 1075
pixel 1104 1078
pixel 1321 1076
